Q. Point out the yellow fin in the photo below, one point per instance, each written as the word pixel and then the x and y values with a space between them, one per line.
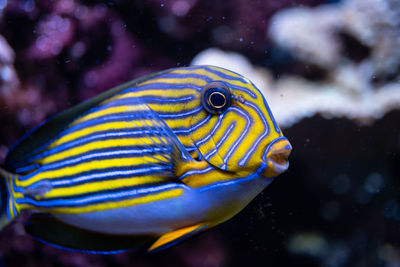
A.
pixel 171 238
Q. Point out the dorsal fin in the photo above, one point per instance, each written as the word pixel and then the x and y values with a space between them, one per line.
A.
pixel 37 139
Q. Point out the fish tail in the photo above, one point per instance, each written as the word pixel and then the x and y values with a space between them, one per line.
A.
pixel 7 208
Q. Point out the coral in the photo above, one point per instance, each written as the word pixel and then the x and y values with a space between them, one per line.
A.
pixel 295 29
pixel 9 81
pixel 364 32
pixel 24 107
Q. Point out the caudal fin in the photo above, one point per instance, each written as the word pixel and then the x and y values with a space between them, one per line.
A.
pixel 7 209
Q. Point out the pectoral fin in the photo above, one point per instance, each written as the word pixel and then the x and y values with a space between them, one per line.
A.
pixel 38 190
pixel 171 238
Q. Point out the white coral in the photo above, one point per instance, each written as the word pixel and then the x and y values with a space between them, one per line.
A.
pixel 293 98
pixel 8 77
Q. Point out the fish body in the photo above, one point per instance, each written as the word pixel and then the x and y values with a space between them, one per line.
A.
pixel 150 162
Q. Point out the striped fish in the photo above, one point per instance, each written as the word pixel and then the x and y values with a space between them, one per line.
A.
pixel 146 164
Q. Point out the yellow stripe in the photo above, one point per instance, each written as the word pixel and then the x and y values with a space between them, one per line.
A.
pixel 177 81
pixel 165 92
pixel 229 73
pixel 89 166
pixel 112 205
pixel 166 107
pixel 213 77
pixel 98 128
pixel 215 175
pixel 107 111
pixel 103 185
pixel 173 108
pixel 117 143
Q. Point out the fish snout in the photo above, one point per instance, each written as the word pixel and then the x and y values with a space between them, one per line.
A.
pixel 277 154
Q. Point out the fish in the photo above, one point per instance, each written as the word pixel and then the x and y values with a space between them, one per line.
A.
pixel 146 164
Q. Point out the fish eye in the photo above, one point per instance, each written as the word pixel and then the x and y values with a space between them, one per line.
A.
pixel 216 97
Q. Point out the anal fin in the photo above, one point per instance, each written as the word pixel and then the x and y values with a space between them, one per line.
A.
pixel 51 231
pixel 173 237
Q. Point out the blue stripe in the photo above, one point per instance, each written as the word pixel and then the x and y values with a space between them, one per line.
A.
pixel 181 114
pixel 269 110
pixel 178 76
pixel 195 172
pixel 205 78
pixel 166 86
pixel 270 144
pixel 138 101
pixel 219 143
pixel 190 148
pixel 104 174
pixel 241 180
pixel 226 134
pixel 159 99
pixel 225 76
pixel 193 128
pixel 27 168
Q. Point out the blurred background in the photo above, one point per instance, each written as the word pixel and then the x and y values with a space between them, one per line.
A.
pixel 330 71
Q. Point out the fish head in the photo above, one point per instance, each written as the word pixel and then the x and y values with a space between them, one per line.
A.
pixel 235 130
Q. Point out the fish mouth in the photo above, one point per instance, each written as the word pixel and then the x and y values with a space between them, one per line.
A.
pixel 276 157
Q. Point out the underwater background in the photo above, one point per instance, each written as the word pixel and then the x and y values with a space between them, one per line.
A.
pixel 330 70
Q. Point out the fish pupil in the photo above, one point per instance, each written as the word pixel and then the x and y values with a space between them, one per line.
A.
pixel 217 100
